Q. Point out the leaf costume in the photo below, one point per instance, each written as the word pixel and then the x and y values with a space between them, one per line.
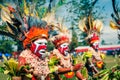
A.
pixel 65 65
pixel 93 56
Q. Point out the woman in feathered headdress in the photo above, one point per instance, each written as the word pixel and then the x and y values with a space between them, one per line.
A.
pixel 33 32
pixel 35 53
pixel 64 63
pixel 92 29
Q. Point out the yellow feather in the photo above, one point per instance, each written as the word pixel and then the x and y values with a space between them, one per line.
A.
pixel 9 30
pixel 26 9
pixel 90 22
pixel 5 16
pixel 98 25
pixel 113 25
pixel 4 8
pixel 82 25
pixel 50 19
pixel 34 11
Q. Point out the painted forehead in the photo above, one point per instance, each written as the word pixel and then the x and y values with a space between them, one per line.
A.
pixel 41 41
pixel 64 44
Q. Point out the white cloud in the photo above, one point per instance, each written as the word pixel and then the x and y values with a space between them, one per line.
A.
pixel 109 35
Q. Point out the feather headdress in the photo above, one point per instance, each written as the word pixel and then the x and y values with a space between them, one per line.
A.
pixel 24 27
pixel 116 23
pixel 92 28
pixel 63 35
pixel 50 18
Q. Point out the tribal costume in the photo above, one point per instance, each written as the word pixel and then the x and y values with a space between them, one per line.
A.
pixel 64 65
pixel 33 32
pixel 92 29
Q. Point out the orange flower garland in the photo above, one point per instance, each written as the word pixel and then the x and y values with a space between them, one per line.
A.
pixel 99 64
pixel 69 75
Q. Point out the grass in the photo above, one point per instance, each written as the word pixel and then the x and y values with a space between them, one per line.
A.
pixel 109 60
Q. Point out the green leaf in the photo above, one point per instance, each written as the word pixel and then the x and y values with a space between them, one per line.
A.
pixel 6 72
pixel 105 77
pixel 1 69
pixel 29 75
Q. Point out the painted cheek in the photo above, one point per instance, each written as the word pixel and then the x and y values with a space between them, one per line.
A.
pixel 62 49
pixel 95 46
pixel 41 47
pixel 33 47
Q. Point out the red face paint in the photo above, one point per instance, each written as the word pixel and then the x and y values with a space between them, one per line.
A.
pixel 38 47
pixel 95 45
pixel 63 48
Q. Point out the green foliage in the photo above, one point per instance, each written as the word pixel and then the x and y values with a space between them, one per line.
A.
pixel 103 42
pixel 84 72
pixel 52 64
pixel 83 42
pixel 112 73
pixel 11 67
pixel 74 42
pixel 6 45
pixel 79 9
pixel 61 3
pixel 42 11
pixel 50 46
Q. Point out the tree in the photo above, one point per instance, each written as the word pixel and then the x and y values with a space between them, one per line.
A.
pixel 78 10
pixel 6 44
pixel 36 8
pixel 115 24
pixel 74 42
pixel 103 42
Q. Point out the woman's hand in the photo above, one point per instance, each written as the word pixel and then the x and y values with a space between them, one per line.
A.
pixel 29 71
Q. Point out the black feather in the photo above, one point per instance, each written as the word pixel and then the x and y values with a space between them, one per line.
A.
pixel 14 30
pixel 16 23
pixel 116 19
pixel 36 22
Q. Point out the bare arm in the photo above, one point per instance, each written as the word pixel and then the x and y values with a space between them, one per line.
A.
pixel 73 68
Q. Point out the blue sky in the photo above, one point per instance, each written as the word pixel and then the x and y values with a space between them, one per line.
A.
pixel 109 35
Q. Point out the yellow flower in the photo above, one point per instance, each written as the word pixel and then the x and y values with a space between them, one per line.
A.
pixel 102 56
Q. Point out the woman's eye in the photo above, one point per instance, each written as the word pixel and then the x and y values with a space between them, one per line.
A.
pixel 45 43
pixel 39 43
pixel 64 45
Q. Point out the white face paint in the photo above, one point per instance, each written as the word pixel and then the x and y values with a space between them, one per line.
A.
pixel 64 48
pixel 41 42
pixel 64 45
pixel 96 45
pixel 39 47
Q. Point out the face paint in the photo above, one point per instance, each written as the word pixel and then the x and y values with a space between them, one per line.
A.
pixel 95 45
pixel 39 47
pixel 63 48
